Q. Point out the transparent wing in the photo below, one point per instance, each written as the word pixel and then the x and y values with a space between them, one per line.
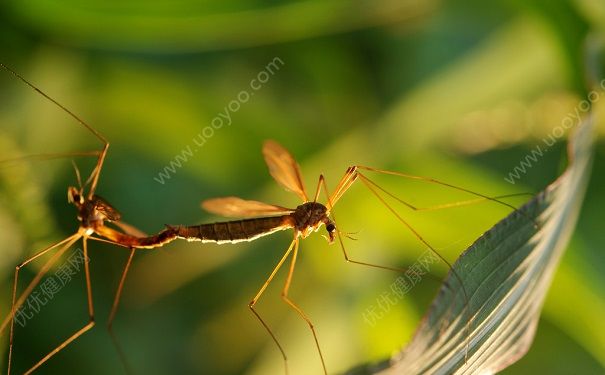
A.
pixel 129 229
pixel 284 168
pixel 106 209
pixel 237 207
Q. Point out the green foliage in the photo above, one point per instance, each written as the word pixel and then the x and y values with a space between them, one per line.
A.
pixel 459 90
pixel 486 313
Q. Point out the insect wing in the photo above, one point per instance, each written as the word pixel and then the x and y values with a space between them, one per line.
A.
pixel 284 168
pixel 237 207
pixel 106 209
pixel 129 229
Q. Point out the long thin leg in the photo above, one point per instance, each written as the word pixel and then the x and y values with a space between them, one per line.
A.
pixel 118 295
pixel 116 303
pixel 442 183
pixel 435 181
pixel 421 239
pixel 64 244
pixel 49 156
pixel 116 299
pixel 261 291
pixel 77 170
pixel 322 182
pixel 345 183
pixel 297 308
pixel 81 331
pixel 94 176
pixel 318 190
pixel 114 309
pixel 121 355
pixel 93 180
pixel 352 174
pixel 441 206
pixel 45 267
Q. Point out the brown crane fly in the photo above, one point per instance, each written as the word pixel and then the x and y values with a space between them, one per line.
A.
pixel 305 219
pixel 260 219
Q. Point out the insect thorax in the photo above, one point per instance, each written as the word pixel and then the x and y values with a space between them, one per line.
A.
pixel 96 211
pixel 310 214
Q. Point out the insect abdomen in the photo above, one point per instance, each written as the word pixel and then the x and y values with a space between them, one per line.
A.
pixel 234 231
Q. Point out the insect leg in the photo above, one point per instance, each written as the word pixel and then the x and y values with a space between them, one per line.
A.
pixel 296 307
pixel 259 294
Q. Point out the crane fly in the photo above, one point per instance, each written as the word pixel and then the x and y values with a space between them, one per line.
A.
pixel 94 213
pixel 305 219
pixel 100 221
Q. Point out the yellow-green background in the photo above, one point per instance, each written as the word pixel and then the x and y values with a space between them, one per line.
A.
pixel 458 90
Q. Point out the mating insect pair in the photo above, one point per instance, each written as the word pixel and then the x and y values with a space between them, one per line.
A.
pixel 99 221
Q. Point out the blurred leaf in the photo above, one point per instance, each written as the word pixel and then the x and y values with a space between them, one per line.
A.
pixel 506 274
pixel 570 29
pixel 578 314
pixel 594 11
pixel 187 26
pixel 531 67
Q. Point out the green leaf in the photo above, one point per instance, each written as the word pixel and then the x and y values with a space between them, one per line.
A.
pixel 506 274
pixel 187 26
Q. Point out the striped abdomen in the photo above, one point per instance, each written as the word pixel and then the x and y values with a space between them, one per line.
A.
pixel 234 231
pixel 150 242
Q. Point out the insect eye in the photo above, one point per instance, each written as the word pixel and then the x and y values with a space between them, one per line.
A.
pixel 331 227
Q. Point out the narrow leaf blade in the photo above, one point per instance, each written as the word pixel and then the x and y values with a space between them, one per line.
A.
pixel 506 274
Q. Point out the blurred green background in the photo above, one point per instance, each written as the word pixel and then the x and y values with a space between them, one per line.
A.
pixel 460 90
